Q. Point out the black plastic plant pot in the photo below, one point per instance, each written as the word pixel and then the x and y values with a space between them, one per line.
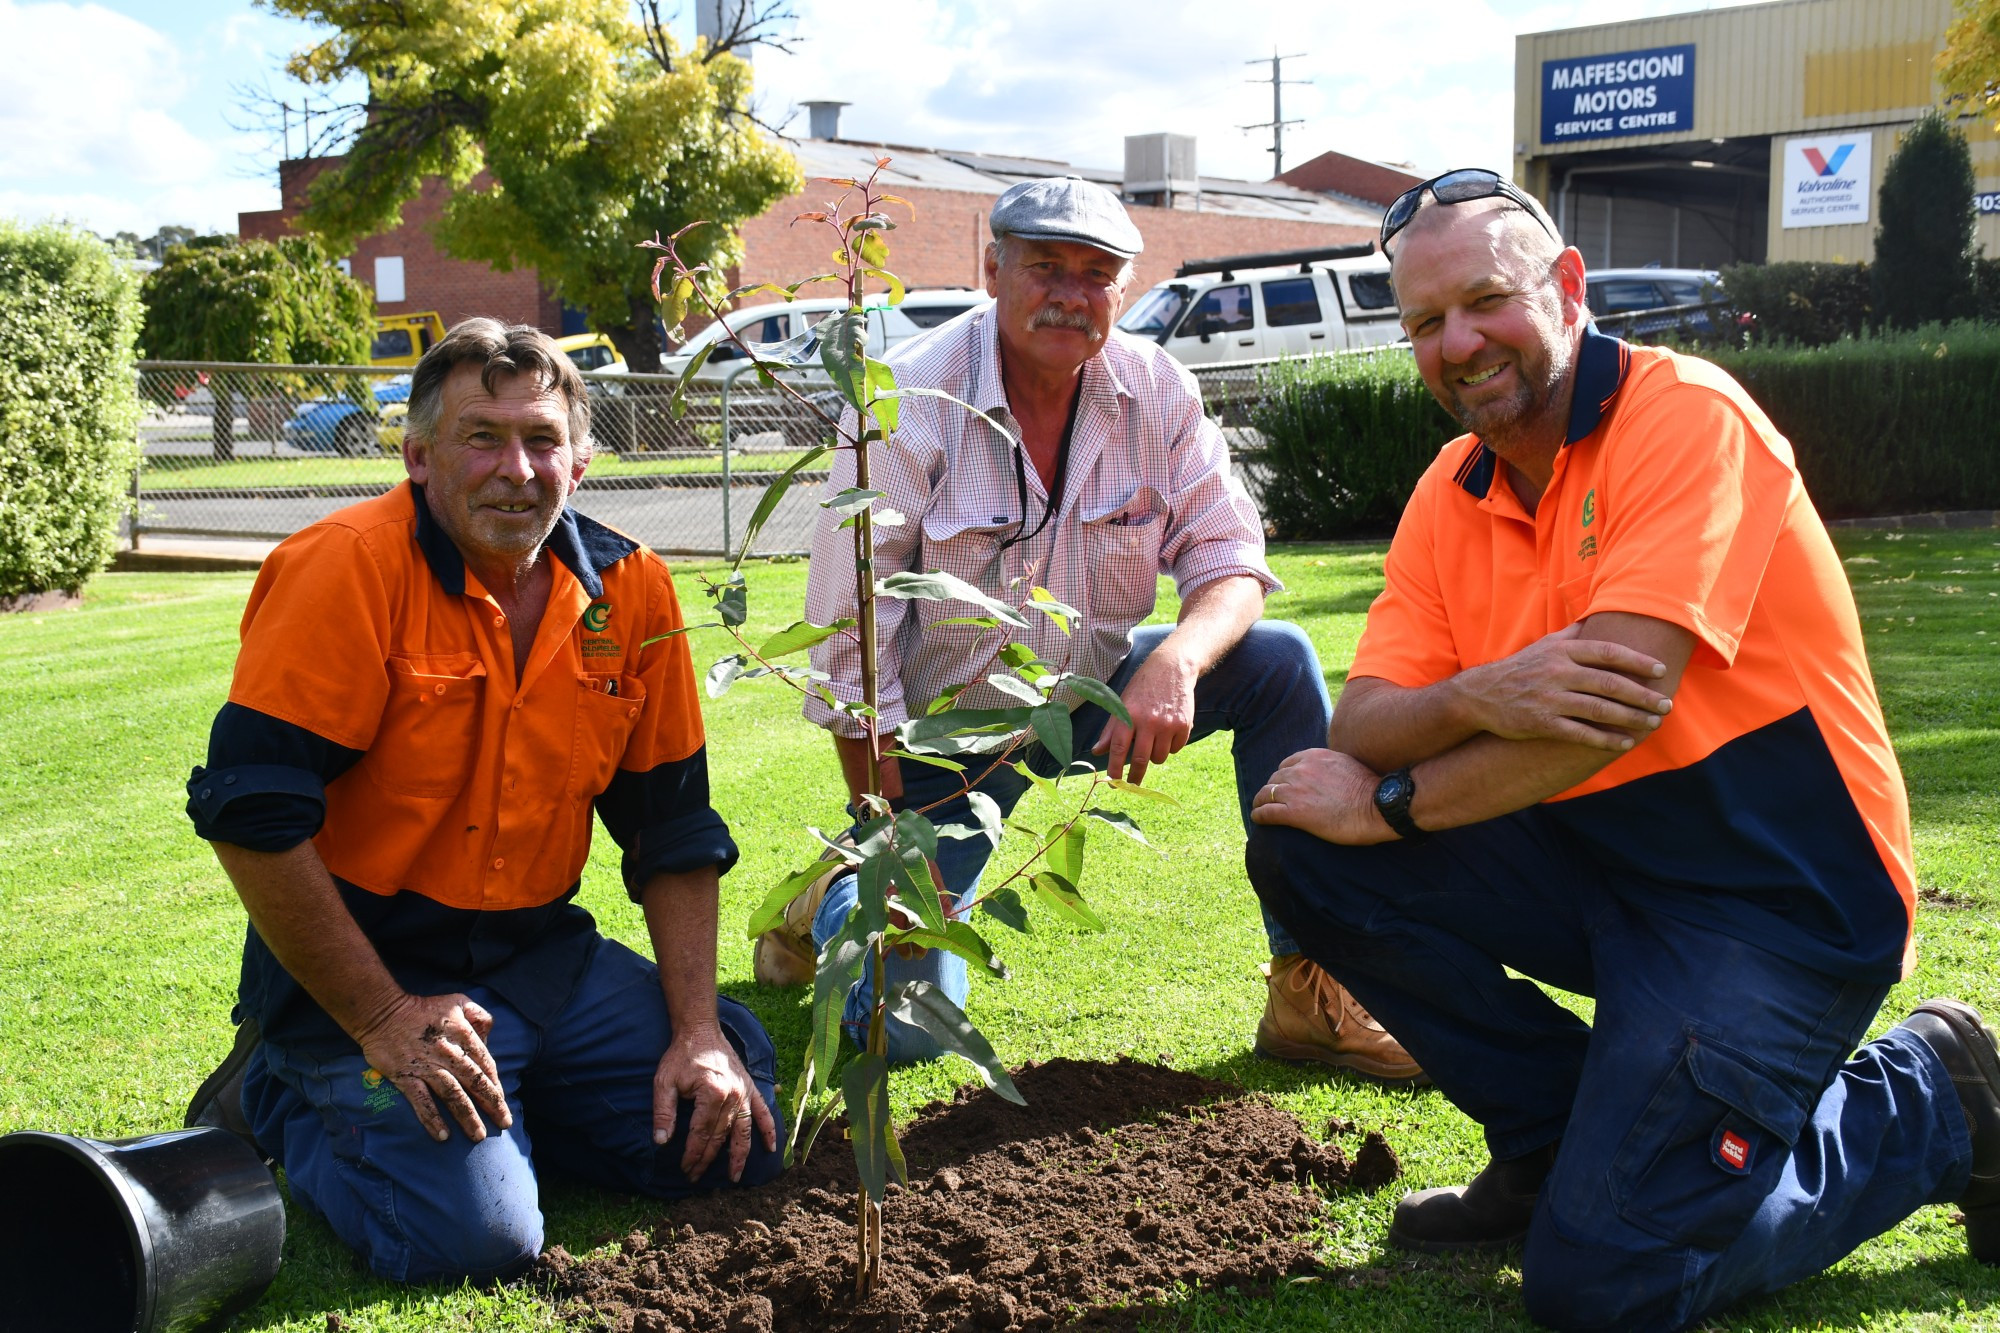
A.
pixel 166 1233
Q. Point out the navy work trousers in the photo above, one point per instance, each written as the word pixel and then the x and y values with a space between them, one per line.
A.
pixel 580 1088
pixel 1720 1135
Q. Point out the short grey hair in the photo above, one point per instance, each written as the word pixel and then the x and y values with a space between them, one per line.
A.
pixel 1001 246
pixel 498 349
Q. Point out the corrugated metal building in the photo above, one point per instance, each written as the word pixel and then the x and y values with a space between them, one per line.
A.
pixel 1751 134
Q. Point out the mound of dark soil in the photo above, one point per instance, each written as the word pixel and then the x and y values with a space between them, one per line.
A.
pixel 1112 1185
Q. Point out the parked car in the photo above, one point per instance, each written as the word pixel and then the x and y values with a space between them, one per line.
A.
pixel 1632 291
pixel 402 340
pixel 785 329
pixel 592 351
pixel 340 425
pixel 1253 307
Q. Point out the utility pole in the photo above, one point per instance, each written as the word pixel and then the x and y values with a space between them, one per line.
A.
pixel 1276 124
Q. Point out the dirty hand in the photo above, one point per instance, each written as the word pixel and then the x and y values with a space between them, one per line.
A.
pixel 1160 699
pixel 433 1047
pixel 702 1067
pixel 1564 687
pixel 1327 794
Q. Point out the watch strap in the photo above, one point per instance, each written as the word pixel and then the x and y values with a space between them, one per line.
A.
pixel 1395 804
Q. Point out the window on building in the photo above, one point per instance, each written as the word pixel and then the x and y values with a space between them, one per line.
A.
pixel 389 278
pixel 1291 301
pixel 1229 306
pixel 346 266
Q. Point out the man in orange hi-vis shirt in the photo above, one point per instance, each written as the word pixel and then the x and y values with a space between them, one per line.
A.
pixel 436 690
pixel 1611 726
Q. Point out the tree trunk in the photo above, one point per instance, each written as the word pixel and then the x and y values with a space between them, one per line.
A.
pixel 639 340
pixel 222 427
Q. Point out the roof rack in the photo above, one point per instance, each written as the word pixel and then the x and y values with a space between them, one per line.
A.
pixel 1305 259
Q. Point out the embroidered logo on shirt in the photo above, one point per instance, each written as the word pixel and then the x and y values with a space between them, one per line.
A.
pixel 1734 1149
pixel 1590 507
pixel 598 614
pixel 381 1093
pixel 1587 547
pixel 595 617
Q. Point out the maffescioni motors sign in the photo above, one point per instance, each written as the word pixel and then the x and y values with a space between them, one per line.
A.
pixel 1827 180
pixel 1624 93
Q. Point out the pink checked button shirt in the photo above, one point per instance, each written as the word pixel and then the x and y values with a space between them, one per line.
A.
pixel 1148 491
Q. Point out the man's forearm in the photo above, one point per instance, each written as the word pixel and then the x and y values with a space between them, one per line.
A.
pixel 681 909
pixel 1487 777
pixel 1213 620
pixel 1388 726
pixel 297 910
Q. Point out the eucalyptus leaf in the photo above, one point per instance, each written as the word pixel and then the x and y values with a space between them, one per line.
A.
pixel 924 1006
pixel 801 634
pixel 938 586
pixel 1014 687
pixel 1134 789
pixel 1006 906
pixel 1097 692
pixel 767 504
pixel 1065 853
pixel 933 760
pixel 962 721
pixel 1121 821
pixel 1060 894
pixel 732 600
pixel 770 913
pixel 851 501
pixel 724 673
pixel 843 341
pixel 839 968
pixel 865 1086
pixel 1052 726
pixel 987 811
pixel 1019 656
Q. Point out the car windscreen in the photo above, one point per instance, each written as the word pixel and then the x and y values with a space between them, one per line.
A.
pixel 390 342
pixel 1156 312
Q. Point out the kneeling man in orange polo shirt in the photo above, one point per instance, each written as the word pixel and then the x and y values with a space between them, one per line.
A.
pixel 436 689
pixel 1611 726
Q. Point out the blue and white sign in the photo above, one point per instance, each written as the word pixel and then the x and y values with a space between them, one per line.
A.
pixel 1987 203
pixel 1828 180
pixel 1607 97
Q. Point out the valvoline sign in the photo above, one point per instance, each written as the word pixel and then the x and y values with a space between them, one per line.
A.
pixel 1625 93
pixel 1827 181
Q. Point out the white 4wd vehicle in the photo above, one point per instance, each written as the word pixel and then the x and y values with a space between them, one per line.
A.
pixel 766 326
pixel 1254 307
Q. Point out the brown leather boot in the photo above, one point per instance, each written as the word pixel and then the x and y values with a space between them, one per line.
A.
pixel 1969 1053
pixel 785 955
pixel 1491 1213
pixel 1310 1016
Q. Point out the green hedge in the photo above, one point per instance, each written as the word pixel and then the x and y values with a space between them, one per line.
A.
pixel 1803 302
pixel 1345 438
pixel 1889 424
pixel 69 318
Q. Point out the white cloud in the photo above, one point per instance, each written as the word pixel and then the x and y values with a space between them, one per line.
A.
pixel 1428 83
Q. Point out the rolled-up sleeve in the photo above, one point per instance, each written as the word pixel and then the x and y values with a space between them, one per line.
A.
pixel 1214 530
pixel 264 785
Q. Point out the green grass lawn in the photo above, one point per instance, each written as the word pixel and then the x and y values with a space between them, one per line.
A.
pixel 118 966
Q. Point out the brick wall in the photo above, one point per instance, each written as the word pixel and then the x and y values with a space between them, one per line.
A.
pixel 457 289
pixel 945 244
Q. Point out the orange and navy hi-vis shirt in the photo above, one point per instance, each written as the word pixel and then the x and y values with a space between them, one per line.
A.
pixel 1768 805
pixel 376 708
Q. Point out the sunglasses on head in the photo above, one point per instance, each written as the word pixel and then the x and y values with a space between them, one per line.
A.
pixel 1458 187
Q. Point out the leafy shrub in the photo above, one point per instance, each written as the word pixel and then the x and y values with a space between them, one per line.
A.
pixel 1924 250
pixel 1345 439
pixel 69 316
pixel 1887 424
pixel 1802 302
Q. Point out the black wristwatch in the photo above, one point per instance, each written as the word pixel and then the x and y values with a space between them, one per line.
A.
pixel 1393 795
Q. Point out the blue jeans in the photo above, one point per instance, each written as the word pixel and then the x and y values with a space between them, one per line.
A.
pixel 581 1090
pixel 1720 1135
pixel 1268 693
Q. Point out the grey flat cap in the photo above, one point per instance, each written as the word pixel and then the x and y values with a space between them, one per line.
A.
pixel 1067 208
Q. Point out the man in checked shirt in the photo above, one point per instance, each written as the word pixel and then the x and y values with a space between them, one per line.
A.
pixel 1119 478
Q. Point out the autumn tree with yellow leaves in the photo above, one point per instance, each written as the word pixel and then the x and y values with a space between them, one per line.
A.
pixel 598 131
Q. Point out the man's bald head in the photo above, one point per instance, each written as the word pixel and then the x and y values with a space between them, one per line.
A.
pixel 1527 245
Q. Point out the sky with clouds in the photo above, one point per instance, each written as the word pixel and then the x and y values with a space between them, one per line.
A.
pixel 124 115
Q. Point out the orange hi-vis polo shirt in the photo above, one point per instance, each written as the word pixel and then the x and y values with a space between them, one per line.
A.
pixel 377 709
pixel 1768 804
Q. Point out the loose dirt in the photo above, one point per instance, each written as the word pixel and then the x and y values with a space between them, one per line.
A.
pixel 1116 1183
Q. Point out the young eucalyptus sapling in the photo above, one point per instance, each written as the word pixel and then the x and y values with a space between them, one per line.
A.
pixel 900 906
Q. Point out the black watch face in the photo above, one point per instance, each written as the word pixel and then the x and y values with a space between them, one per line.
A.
pixel 1394 790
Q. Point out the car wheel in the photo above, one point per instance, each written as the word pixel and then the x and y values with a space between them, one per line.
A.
pixel 353 439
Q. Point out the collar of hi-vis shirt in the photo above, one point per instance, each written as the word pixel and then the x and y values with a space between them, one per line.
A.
pixel 1097 406
pixel 584 550
pixel 1602 363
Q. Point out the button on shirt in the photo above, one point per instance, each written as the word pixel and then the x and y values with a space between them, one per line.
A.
pixel 1147 491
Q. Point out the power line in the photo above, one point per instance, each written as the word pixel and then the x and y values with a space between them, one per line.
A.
pixel 1276 124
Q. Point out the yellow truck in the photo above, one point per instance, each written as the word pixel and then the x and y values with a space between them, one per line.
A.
pixel 400 340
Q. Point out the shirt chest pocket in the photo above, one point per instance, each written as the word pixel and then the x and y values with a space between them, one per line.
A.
pixel 1121 549
pixel 608 709
pixel 970 549
pixel 430 725
pixel 1574 594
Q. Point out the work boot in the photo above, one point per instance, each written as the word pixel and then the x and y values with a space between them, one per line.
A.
pixel 785 954
pixel 218 1102
pixel 1310 1016
pixel 1491 1213
pixel 1967 1050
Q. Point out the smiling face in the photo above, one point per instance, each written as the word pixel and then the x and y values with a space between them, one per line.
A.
pixel 500 467
pixel 1055 300
pixel 1494 314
